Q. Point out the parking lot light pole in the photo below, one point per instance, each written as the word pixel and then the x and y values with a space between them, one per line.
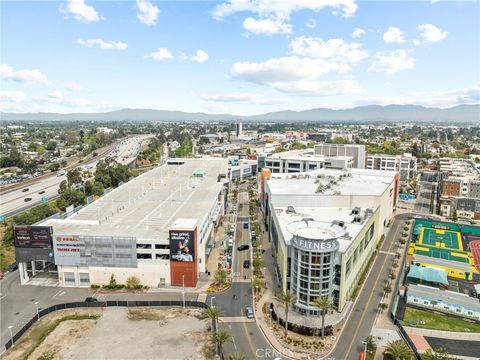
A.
pixel 11 334
pixel 38 316
pixel 183 290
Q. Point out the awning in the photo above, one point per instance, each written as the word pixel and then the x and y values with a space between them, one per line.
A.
pixel 428 274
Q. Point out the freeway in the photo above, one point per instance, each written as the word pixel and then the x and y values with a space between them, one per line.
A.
pixel 15 201
pixel 247 338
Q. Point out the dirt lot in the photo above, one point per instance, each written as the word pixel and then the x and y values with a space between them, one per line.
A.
pixel 121 334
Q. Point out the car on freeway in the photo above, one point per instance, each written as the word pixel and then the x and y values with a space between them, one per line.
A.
pixel 41 192
pixel 246 264
pixel 243 247
pixel 91 299
pixel 249 312
pixel 27 199
pixel 25 190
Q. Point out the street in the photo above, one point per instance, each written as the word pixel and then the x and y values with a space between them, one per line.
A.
pixel 362 317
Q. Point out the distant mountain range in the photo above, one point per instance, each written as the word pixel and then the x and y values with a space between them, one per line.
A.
pixel 370 113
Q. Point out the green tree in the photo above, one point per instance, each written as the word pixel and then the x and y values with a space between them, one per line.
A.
pixel 398 350
pixel 75 177
pixel 133 282
pixel 51 145
pixel 212 313
pixel 324 304
pixel 71 197
pixel 221 276
pixel 220 338
pixel 371 346
pixel 93 188
pixel 286 298
pixel 439 354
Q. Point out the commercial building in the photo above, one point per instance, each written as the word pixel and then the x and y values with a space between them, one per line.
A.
pixel 295 161
pixel 241 169
pixel 357 152
pixel 158 227
pixel 238 128
pixel 406 164
pixel 324 226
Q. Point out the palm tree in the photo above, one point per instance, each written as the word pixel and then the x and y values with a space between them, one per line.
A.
pixel 398 350
pixel 324 304
pixel 236 356
pixel 439 354
pixel 286 298
pixel 212 313
pixel 220 338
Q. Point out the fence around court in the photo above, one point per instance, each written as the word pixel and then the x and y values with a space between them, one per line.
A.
pixel 97 304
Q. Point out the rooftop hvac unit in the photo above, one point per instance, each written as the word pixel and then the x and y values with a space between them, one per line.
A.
pixel 355 211
pixel 357 219
pixel 291 210
pixel 368 212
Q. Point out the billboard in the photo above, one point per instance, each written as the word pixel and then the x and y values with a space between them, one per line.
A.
pixel 88 250
pixel 182 245
pixel 33 236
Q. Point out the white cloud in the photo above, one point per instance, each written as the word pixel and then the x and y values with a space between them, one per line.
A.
pixel 311 23
pixel 295 75
pixel 161 54
pixel 12 96
pixel 430 33
pixel 333 49
pixel 253 98
pixel 57 98
pixel 147 13
pixel 81 11
pixel 282 8
pixel 268 26
pixel 390 63
pixel 200 56
pixel 393 35
pixel 357 32
pixel 73 86
pixel 274 15
pixel 102 44
pixel 35 75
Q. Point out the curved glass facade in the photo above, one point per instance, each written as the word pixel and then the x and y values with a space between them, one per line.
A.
pixel 311 277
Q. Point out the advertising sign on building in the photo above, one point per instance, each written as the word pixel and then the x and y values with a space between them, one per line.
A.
pixel 247 170
pixel 67 249
pixel 33 236
pixel 182 244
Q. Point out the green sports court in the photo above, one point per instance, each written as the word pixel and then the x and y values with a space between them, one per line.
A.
pixel 441 238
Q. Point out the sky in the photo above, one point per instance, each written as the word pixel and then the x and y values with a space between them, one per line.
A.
pixel 241 57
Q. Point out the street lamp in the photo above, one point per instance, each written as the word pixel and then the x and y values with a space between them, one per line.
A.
pixel 38 316
pixel 11 335
pixel 183 290
pixel 211 301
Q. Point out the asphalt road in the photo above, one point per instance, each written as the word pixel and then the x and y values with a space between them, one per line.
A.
pixel 422 203
pixel 13 202
pixel 246 336
pixel 361 320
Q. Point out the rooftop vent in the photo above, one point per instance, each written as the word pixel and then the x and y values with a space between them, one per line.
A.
pixel 355 211
pixel 357 219
pixel 291 210
pixel 368 212
pixel 339 223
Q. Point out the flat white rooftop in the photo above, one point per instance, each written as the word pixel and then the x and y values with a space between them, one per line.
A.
pixel 332 182
pixel 148 205
pixel 325 216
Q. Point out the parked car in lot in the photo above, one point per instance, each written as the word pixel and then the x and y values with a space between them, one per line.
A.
pixel 243 247
pixel 27 199
pixel 245 225
pixel 246 264
pixel 249 312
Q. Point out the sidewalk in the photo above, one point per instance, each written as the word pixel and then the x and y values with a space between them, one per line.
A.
pixel 465 336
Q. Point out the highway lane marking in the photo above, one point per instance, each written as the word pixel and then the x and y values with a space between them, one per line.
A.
pixel 27 193
pixel 249 340
pixel 371 293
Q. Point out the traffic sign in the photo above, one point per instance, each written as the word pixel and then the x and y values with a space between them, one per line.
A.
pixel 44 199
